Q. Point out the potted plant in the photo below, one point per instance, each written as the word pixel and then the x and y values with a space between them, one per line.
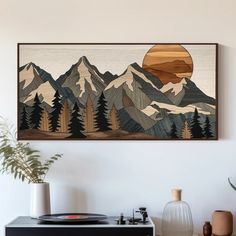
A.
pixel 24 163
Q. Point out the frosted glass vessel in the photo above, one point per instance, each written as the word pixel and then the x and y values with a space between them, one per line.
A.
pixel 177 217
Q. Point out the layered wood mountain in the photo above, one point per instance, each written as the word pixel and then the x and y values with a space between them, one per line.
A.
pixel 83 103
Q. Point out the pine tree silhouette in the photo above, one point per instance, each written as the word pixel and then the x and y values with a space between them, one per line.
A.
pixel 207 128
pixel 186 132
pixel 114 118
pixel 89 117
pixel 44 123
pixel 196 129
pixel 24 120
pixel 36 113
pixel 173 132
pixel 64 117
pixel 56 110
pixel 75 126
pixel 101 118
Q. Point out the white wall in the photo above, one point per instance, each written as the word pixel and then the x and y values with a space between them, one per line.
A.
pixel 116 176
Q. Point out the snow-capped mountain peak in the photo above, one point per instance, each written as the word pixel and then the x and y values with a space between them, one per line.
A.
pixel 181 94
pixel 28 74
pixel 174 88
pixel 128 77
pixel 45 90
pixel 134 68
pixel 84 67
pixel 84 75
pixel 82 79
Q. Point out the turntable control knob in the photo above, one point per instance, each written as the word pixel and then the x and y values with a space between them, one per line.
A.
pixel 121 220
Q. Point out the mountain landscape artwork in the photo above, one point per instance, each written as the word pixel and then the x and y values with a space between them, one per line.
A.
pixel 117 91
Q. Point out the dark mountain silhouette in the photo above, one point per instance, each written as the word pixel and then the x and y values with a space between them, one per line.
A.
pixel 176 66
pixel 186 92
pixel 168 71
pixel 194 95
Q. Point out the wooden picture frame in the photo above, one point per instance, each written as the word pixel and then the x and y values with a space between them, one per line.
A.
pixel 117 91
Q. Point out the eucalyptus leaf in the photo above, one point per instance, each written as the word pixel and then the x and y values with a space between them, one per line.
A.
pixel 18 159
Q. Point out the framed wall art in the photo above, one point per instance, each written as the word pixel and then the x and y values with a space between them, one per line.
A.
pixel 154 91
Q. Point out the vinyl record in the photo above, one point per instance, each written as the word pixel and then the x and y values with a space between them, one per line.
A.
pixel 72 218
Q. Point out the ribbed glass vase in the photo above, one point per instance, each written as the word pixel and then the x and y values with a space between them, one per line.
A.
pixel 177 217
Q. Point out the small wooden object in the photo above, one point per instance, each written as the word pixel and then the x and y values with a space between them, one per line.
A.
pixel 207 229
pixel 222 223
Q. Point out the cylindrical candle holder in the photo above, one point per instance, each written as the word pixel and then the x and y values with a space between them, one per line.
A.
pixel 222 223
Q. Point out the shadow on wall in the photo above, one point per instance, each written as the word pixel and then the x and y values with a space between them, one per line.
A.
pixel 67 199
pixel 224 85
pixel 67 194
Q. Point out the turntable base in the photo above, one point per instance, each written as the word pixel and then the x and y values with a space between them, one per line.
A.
pixel 25 226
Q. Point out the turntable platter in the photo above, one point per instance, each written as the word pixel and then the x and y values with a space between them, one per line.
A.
pixel 72 217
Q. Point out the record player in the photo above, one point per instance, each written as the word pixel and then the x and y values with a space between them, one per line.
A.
pixel 83 224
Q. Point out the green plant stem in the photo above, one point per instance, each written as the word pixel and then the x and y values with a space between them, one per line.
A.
pixel 231 184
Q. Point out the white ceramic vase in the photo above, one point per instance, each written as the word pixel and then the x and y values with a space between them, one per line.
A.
pixel 40 200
